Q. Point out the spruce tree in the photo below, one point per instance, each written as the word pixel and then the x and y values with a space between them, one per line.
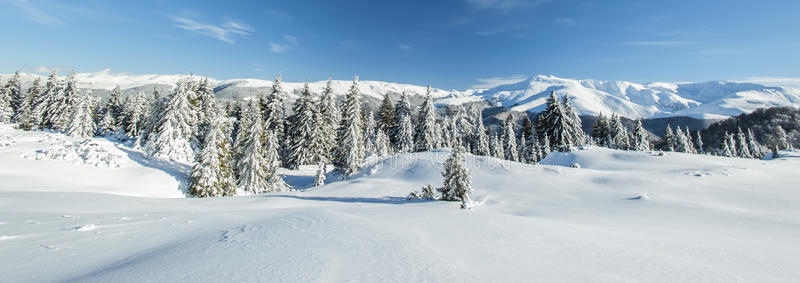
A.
pixel 618 133
pixel 82 123
pixel 781 138
pixel 329 118
pixel 425 133
pixel 522 148
pixel 457 179
pixel 725 146
pixel 27 118
pixel 383 146
pixel 399 131
pixel 15 95
pixel 206 176
pixel 640 141
pixel 62 109
pixel 6 112
pixel 691 147
pixel 669 139
pixel 510 139
pixel 134 114
pixel 699 144
pixel 755 148
pixel 741 141
pixel 404 134
pixel 274 114
pixel 116 106
pixel 546 148
pixel 497 147
pixel 560 123
pixel 680 141
pixel 386 114
pixel 301 131
pixel 732 144
pixel 462 128
pixel 274 181
pixel 173 135
pixel 252 166
pixel 480 141
pixel 600 131
pixel 349 154
pixel 370 134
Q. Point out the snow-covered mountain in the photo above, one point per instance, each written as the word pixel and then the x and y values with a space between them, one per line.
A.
pixel 707 100
pixel 240 88
pixel 715 99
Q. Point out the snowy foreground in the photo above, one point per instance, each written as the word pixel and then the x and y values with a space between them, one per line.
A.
pixel 98 211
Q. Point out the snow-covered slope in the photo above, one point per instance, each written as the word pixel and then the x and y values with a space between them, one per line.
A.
pixel 622 217
pixel 108 80
pixel 715 99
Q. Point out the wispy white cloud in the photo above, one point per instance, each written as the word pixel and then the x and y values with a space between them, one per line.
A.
pixel 503 6
pixel 279 48
pixel 33 13
pixel 496 81
pixel 500 29
pixel 567 22
pixel 657 43
pixel 405 47
pixel 224 32
pixel 290 39
pixel 291 44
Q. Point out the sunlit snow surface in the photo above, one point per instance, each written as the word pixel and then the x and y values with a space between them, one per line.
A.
pixel 622 216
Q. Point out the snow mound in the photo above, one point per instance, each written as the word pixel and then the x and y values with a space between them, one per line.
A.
pixel 86 152
pixel 87 227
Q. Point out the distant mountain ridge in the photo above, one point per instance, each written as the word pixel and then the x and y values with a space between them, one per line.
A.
pixel 705 100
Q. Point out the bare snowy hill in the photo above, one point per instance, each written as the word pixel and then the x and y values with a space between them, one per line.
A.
pixel 623 216
pixel 708 100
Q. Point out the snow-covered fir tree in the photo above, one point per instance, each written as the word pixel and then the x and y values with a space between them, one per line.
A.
pixel 301 131
pixel 208 108
pixel 116 105
pixel 669 139
pixel 462 128
pixel 62 108
pixel 618 133
pixel 386 114
pixel 426 124
pixel 480 141
pixel 600 131
pixel 50 93
pixel 26 117
pixel 681 144
pixel 510 139
pixel 404 134
pixel 457 179
pixel 641 141
pixel 755 148
pixel 402 111
pixel 329 118
pixel 383 146
pixel 173 134
pixel 274 181
pixel 522 147
pixel 496 146
pixel 699 143
pixel 370 134
pixel 252 166
pixel 82 123
pixel 732 144
pixel 743 148
pixel 274 112
pixel 560 123
pixel 725 146
pixel 15 95
pixel 212 174
pixel 690 143
pixel 532 152
pixel 546 148
pixel 349 153
pixel 781 138
pixel 134 114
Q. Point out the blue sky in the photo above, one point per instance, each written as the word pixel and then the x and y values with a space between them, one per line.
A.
pixel 449 44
